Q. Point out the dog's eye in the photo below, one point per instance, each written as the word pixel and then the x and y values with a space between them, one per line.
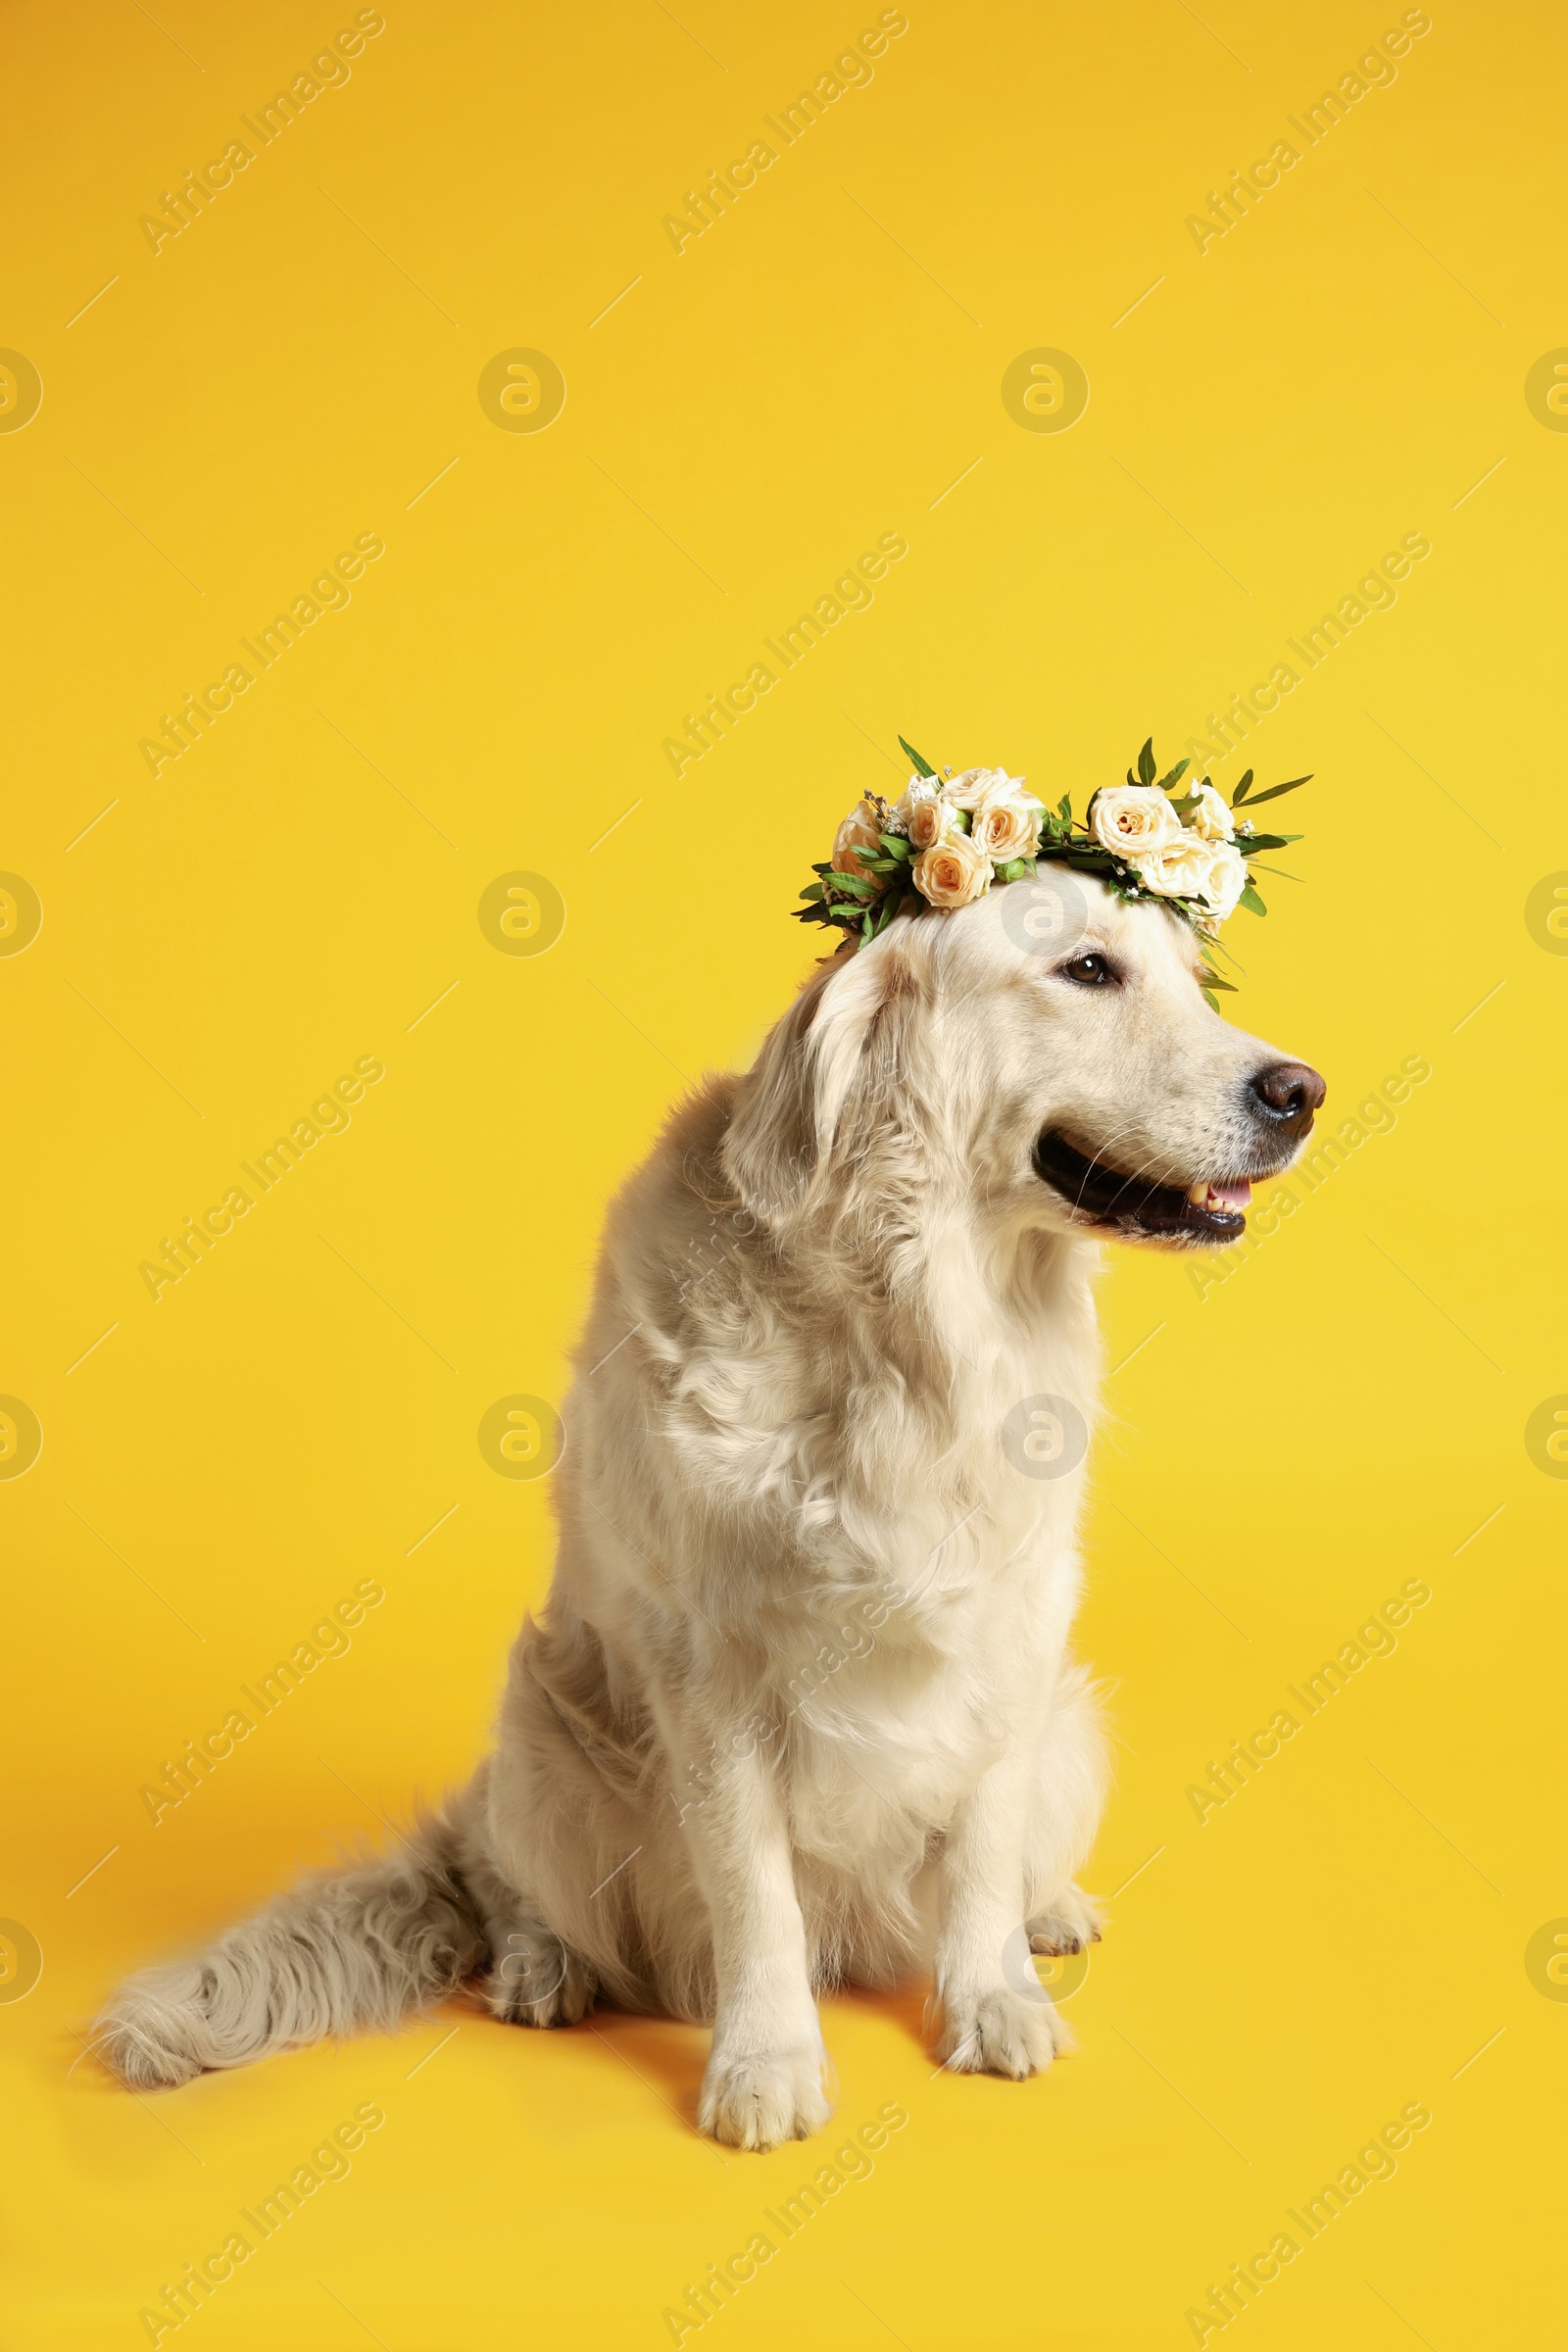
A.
pixel 1089 972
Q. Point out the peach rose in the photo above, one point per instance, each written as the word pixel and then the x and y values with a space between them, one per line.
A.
pixel 954 873
pixel 859 831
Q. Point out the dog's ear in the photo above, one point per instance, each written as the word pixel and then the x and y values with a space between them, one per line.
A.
pixel 791 1105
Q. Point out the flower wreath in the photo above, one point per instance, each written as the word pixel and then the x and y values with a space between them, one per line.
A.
pixel 951 837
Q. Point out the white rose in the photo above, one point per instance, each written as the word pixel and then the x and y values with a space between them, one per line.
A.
pixel 859 831
pixel 1007 829
pixel 1211 818
pixel 1134 819
pixel 952 874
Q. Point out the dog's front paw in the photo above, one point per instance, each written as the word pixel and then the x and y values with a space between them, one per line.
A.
pixel 1071 1920
pixel 536 1980
pixel 756 2100
pixel 999 2032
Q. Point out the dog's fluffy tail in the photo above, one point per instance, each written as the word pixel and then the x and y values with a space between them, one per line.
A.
pixel 346 1951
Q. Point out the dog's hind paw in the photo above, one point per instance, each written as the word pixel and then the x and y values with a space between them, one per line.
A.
pixel 1001 2032
pixel 753 2100
pixel 1069 1922
pixel 536 1980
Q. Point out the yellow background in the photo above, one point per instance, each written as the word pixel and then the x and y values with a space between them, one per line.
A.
pixel 1338 1415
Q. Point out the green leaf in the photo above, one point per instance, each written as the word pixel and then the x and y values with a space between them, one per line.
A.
pixel 1064 806
pixel 1145 763
pixel 1248 842
pixel 1210 1000
pixel 1241 790
pixel 915 761
pixel 858 883
pixel 1251 902
pixel 813 891
pixel 865 925
pixel 1176 774
pixel 1274 790
pixel 894 844
pixel 1215 981
pixel 890 907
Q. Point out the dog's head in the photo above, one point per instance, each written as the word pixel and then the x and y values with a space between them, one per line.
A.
pixel 1045 1058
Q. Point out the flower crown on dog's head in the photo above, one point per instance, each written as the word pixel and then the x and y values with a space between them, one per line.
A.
pixel 951 837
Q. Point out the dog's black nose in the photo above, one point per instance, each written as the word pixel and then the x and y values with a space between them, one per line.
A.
pixel 1286 1094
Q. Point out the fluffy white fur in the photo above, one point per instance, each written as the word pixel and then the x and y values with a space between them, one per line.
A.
pixel 800 1707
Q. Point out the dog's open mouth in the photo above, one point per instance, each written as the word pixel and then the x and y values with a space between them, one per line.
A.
pixel 1208 1210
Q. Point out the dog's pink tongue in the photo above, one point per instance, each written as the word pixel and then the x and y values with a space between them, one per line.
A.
pixel 1232 1195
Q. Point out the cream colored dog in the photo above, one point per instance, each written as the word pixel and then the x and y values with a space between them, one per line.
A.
pixel 800 1708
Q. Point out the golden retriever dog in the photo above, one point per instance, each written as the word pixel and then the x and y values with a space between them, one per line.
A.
pixel 800 1707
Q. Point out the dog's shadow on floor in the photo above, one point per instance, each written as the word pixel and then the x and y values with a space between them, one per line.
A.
pixel 669 2056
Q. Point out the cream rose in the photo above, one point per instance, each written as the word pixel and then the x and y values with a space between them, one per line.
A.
pixel 1212 872
pixel 1211 818
pixel 977 787
pixel 933 821
pixel 1227 879
pixel 1177 870
pixel 1133 820
pixel 953 873
pixel 859 831
pixel 1007 829
pixel 919 789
